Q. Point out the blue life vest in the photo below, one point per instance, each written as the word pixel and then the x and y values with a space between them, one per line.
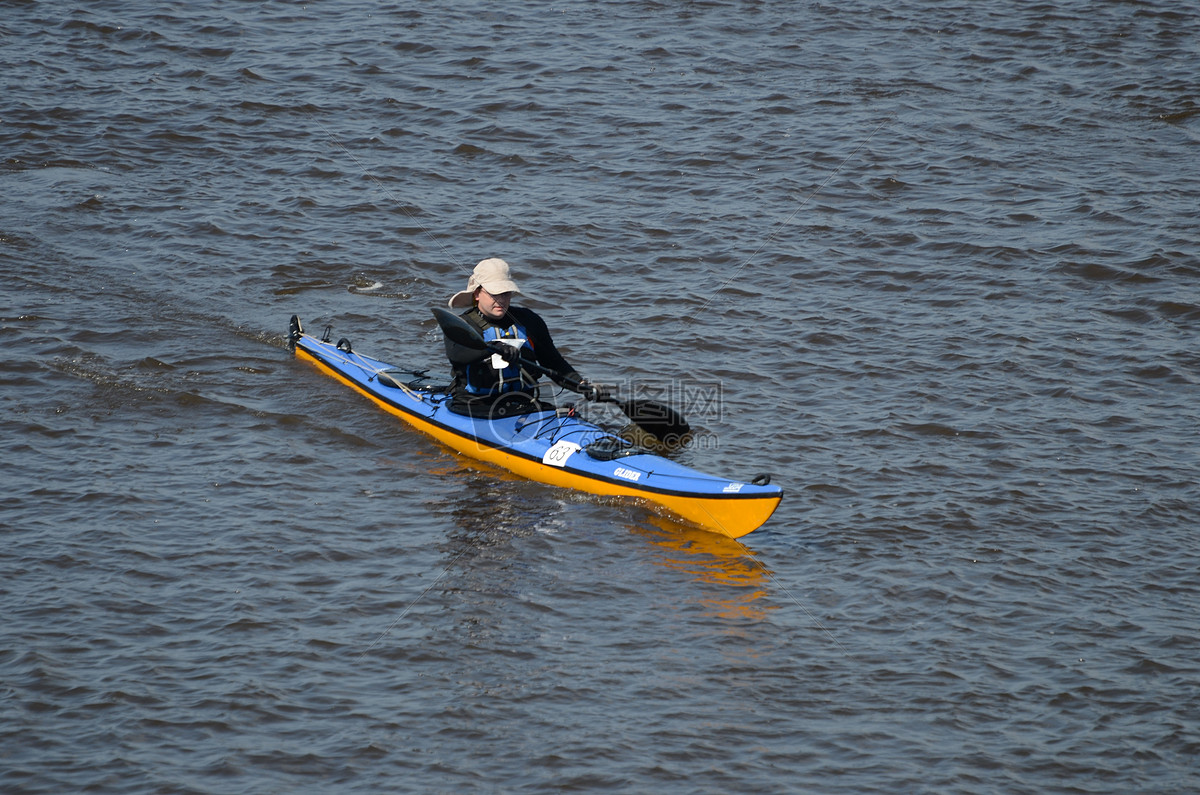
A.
pixel 484 379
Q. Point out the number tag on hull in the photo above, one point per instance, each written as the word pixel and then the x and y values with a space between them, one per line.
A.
pixel 557 455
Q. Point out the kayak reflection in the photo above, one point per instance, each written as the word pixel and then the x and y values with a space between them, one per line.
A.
pixel 712 560
pixel 503 546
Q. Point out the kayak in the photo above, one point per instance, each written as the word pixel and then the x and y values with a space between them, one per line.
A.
pixel 553 446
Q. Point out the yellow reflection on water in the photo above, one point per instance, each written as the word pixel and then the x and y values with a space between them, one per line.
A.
pixel 712 559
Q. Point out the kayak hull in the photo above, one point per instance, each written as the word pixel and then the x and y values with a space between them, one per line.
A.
pixel 550 448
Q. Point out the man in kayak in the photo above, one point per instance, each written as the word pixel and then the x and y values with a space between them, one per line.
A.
pixel 490 384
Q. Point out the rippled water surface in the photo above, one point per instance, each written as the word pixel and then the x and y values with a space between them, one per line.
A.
pixel 932 265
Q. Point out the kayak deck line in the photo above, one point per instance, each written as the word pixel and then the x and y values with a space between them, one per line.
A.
pixel 730 508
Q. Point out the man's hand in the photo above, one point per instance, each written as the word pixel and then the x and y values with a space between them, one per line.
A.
pixel 594 392
pixel 511 354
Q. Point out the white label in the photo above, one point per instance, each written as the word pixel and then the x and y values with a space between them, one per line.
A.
pixel 733 488
pixel 628 474
pixel 557 455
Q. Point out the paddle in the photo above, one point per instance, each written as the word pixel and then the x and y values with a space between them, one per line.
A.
pixel 666 425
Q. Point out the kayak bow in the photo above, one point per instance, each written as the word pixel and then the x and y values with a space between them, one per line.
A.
pixel 553 447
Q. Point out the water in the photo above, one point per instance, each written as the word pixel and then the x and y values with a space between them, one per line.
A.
pixel 932 266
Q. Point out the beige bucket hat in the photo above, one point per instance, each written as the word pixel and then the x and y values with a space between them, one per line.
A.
pixel 492 275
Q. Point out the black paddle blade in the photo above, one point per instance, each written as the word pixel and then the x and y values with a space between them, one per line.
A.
pixel 458 330
pixel 662 422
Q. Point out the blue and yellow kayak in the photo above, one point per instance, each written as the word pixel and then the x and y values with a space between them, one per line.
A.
pixel 553 447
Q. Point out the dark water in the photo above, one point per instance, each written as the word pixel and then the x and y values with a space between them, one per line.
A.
pixel 934 266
